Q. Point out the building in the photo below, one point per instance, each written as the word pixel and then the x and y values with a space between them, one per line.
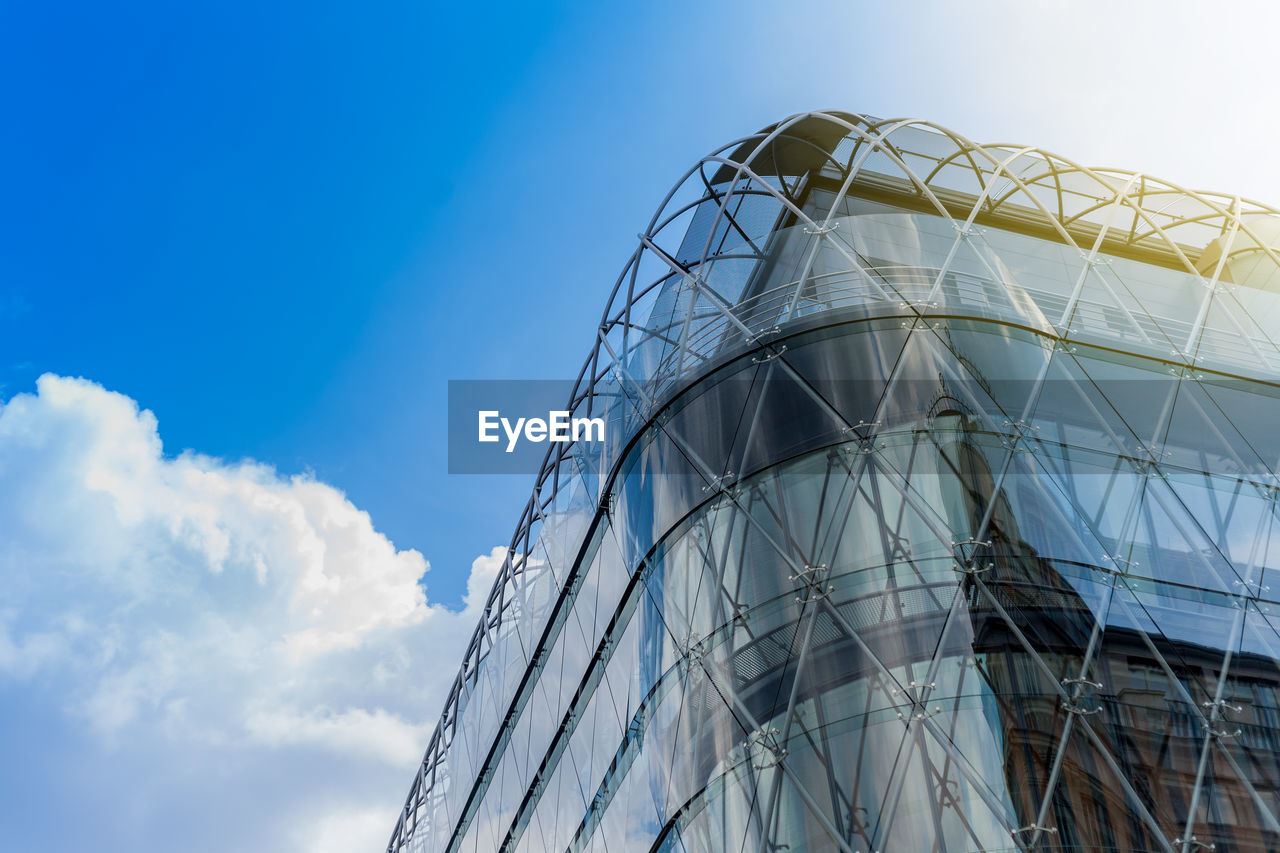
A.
pixel 936 514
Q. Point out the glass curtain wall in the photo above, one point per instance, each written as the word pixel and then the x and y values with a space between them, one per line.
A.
pixel 936 514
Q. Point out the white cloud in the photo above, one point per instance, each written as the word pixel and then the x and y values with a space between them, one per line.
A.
pixel 361 732
pixel 345 831
pixel 190 606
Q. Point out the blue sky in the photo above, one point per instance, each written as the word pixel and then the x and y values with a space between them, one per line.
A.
pixel 282 228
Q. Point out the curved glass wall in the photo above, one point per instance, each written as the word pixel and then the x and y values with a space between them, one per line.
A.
pixel 936 515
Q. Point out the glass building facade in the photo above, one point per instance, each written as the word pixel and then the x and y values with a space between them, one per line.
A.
pixel 936 513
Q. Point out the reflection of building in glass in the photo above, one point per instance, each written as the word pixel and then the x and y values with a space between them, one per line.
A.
pixel 936 514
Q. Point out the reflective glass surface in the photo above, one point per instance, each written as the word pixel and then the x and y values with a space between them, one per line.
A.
pixel 935 514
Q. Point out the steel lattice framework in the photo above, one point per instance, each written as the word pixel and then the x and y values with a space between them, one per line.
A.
pixel 935 513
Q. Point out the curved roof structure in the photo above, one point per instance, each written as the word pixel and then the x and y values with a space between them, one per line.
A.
pixel 711 278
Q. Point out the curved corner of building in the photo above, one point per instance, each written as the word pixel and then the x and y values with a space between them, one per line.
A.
pixel 936 513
